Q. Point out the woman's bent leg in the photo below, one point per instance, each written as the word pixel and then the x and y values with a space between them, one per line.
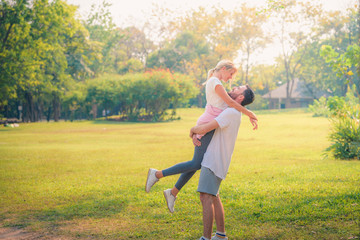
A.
pixel 195 163
pixel 183 179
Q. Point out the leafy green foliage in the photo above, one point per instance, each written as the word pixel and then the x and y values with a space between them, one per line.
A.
pixel 46 54
pixel 72 103
pixel 180 53
pixel 38 39
pixel 344 113
pixel 345 65
pixel 345 134
pixel 326 107
pixel 144 96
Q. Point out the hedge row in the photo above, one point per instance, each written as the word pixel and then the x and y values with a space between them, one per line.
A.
pixel 132 97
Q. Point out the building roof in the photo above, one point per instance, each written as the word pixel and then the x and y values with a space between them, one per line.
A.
pixel 299 90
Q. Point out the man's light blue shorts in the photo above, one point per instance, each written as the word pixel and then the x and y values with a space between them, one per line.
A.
pixel 208 182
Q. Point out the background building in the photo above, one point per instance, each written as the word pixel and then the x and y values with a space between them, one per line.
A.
pixel 300 95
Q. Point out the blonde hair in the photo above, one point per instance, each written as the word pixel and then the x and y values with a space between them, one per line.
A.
pixel 223 63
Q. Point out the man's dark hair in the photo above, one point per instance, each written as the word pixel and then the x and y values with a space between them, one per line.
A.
pixel 249 96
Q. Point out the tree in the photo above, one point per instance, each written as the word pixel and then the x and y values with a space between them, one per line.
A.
pixel 179 53
pixel 38 38
pixel 132 50
pixel 248 30
pixel 345 65
pixel 14 57
pixel 52 24
pixel 104 36
pixel 298 21
pixel 337 31
pixel 317 74
pixel 262 78
pixel 211 37
pixel 80 53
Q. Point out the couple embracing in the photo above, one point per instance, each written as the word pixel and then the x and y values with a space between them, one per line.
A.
pixel 214 137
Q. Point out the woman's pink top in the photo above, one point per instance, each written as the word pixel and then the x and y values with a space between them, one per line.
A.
pixel 209 114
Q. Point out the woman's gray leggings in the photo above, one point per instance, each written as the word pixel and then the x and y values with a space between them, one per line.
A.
pixel 188 169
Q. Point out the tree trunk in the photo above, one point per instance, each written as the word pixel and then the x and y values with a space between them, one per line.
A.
pixel 48 114
pixel 30 114
pixel 56 107
pixel 94 110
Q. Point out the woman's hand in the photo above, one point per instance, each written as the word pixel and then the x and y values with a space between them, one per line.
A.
pixel 251 115
pixel 254 123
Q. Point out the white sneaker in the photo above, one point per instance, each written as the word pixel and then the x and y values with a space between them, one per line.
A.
pixel 170 200
pixel 218 238
pixel 151 179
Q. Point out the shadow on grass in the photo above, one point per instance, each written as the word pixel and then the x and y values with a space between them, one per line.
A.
pixel 100 208
pixel 7 129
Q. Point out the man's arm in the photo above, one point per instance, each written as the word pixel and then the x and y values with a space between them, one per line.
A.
pixel 204 128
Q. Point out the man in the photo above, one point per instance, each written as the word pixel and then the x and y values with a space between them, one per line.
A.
pixel 217 159
pixel 188 169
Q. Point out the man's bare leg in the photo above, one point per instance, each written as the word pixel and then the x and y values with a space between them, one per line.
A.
pixel 219 214
pixel 208 213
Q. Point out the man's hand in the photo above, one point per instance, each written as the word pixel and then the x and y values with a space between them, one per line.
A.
pixel 254 123
pixel 204 128
pixel 192 132
pixel 192 135
pixel 196 141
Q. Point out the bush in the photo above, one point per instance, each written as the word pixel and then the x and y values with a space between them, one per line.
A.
pixel 345 132
pixel 142 96
pixel 326 107
pixel 319 108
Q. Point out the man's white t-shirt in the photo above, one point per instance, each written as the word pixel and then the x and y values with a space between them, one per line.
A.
pixel 212 98
pixel 219 152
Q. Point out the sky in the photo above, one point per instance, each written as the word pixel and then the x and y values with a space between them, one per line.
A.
pixel 123 10
pixel 135 12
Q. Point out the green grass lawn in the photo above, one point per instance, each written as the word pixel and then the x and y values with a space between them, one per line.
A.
pixel 85 180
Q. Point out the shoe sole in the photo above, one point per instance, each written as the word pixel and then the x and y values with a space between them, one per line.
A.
pixel 167 204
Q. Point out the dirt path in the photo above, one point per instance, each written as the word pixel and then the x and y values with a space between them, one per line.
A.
pixel 18 234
